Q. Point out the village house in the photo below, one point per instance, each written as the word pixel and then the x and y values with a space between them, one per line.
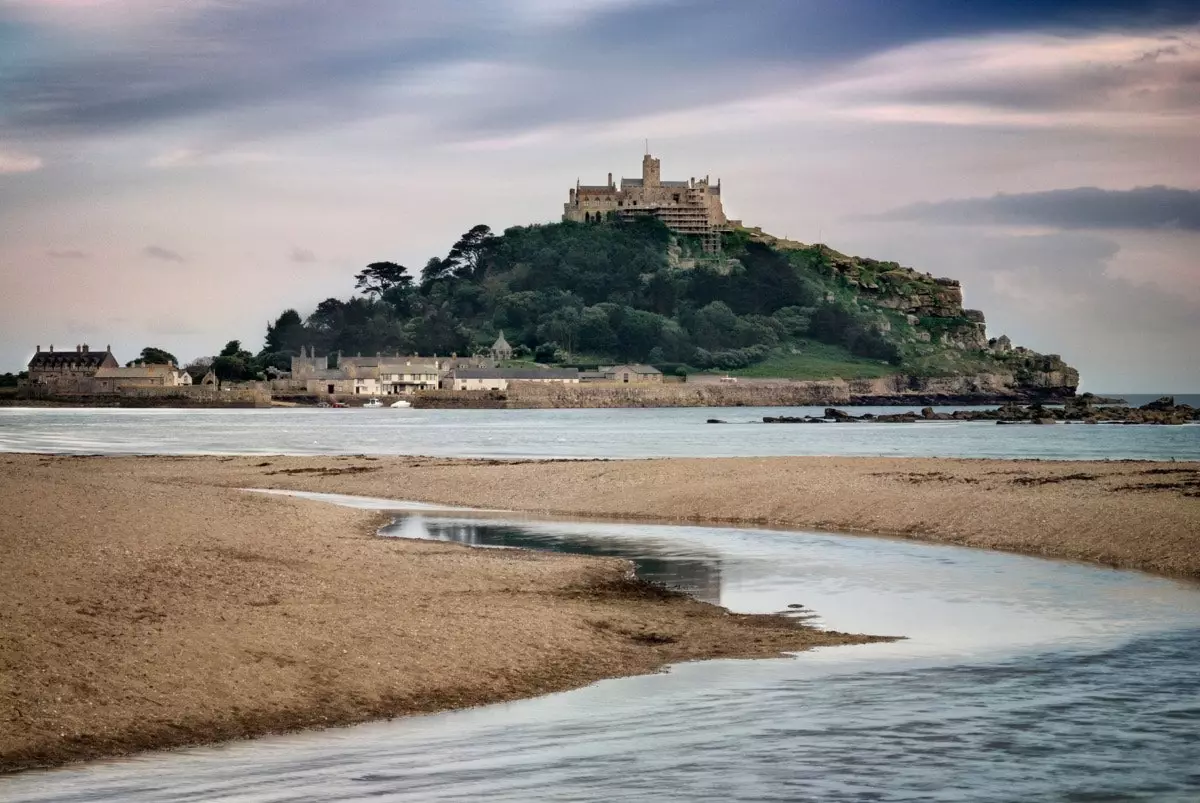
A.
pixel 112 379
pixel 380 375
pixel 627 374
pixel 501 378
pixel 68 371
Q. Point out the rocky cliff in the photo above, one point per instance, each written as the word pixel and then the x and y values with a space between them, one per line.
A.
pixel 946 343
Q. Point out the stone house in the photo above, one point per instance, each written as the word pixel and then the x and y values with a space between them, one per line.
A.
pixel 68 371
pixel 629 374
pixel 112 379
pixel 500 378
pixel 367 376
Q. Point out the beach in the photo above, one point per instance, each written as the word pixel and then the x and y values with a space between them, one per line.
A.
pixel 149 602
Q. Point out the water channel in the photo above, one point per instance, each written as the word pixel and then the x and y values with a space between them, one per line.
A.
pixel 1020 679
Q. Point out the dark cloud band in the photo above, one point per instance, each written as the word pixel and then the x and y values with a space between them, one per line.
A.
pixel 1143 208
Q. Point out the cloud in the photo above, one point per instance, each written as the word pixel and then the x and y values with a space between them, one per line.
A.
pixel 196 157
pixel 276 67
pixel 1143 208
pixel 163 254
pixel 14 162
pixel 302 256
pixel 66 253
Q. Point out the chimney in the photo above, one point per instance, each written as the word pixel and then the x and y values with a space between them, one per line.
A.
pixel 78 348
pixel 52 347
pixel 39 349
pixel 610 179
pixel 85 348
pixel 108 348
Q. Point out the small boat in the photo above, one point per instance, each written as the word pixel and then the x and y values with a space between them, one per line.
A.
pixel 402 403
pixel 373 403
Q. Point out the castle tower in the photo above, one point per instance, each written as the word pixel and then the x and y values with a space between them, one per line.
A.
pixel 651 176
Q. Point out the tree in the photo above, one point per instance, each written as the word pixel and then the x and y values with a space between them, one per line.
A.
pixel 283 334
pixel 562 327
pixel 715 326
pixel 435 268
pixel 154 356
pixel 380 277
pixel 468 257
pixel 327 319
pixel 234 363
pixel 232 349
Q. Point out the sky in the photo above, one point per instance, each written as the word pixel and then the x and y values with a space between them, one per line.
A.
pixel 175 174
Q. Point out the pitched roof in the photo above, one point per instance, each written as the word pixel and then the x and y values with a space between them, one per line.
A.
pixel 501 343
pixel 403 365
pixel 634 368
pixel 515 373
pixel 152 370
pixel 385 363
pixel 55 359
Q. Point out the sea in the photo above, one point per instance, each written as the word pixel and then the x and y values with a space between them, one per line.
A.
pixel 571 433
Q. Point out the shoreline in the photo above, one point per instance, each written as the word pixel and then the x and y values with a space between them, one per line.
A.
pixel 158 604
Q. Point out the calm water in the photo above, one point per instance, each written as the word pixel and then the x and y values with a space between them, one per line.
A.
pixel 1020 680
pixel 621 433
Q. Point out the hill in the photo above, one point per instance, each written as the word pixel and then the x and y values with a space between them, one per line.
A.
pixel 586 294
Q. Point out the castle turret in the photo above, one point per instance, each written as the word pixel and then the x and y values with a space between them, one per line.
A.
pixel 651 177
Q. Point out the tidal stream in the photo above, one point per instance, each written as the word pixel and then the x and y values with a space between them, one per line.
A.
pixel 1020 679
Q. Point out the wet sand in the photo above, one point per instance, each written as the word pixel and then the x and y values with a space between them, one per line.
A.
pixel 1127 514
pixel 147 602
pixel 142 606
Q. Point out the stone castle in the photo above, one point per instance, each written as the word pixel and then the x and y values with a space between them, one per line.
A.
pixel 686 207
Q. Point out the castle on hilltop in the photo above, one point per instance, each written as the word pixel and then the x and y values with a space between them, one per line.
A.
pixel 686 207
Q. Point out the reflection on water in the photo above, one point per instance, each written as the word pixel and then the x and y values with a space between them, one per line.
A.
pixel 1020 680
pixel 697 572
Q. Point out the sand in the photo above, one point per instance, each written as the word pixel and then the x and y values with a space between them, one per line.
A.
pixel 1128 514
pixel 148 602
pixel 140 609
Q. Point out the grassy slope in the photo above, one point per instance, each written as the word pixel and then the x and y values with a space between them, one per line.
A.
pixel 815 361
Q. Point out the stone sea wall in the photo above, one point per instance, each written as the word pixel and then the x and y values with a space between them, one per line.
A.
pixel 187 396
pixel 894 390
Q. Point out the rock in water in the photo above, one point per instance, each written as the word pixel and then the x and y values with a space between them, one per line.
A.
pixel 1164 404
